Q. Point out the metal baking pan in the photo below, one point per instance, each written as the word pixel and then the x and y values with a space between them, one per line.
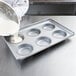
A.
pixel 38 37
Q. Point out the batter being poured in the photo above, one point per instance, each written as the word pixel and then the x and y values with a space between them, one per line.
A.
pixel 7 26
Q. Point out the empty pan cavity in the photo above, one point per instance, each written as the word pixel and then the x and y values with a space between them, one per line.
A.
pixel 59 34
pixel 43 41
pixel 25 49
pixel 48 27
pixel 34 32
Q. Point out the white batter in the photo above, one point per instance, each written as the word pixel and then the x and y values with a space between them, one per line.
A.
pixel 15 39
pixel 7 26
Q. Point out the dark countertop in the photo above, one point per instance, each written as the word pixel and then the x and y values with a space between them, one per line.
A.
pixel 53 0
pixel 59 60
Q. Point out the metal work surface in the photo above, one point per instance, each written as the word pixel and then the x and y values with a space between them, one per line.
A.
pixel 60 60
